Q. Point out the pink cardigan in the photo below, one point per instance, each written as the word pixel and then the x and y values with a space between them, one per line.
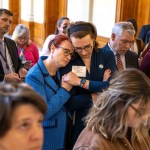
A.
pixel 31 53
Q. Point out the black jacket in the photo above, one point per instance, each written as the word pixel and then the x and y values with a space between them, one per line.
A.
pixel 11 45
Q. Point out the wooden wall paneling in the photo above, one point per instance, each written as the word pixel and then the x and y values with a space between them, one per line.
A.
pixel 50 16
pixel 129 9
pixel 137 9
pixel 36 32
pixel 119 12
pixel 102 41
pixel 126 9
pixel 62 8
pixel 136 3
pixel 143 14
pixel 14 7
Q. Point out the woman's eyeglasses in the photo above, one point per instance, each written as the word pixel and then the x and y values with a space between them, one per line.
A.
pixel 140 113
pixel 86 48
pixel 23 38
pixel 66 51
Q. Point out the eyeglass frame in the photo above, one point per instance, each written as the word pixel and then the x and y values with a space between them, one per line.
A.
pixel 136 110
pixel 125 42
pixel 23 38
pixel 86 48
pixel 66 51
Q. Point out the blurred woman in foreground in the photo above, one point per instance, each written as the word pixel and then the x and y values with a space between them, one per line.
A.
pixel 119 119
pixel 21 114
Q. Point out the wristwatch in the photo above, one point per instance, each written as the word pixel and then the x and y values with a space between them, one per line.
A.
pixel 82 82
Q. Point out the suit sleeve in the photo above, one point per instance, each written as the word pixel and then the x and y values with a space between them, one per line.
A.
pixel 55 101
pixel 109 63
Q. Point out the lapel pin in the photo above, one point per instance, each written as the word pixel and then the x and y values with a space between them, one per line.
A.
pixel 101 66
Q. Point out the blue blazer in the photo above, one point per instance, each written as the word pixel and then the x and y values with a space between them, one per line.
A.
pixel 55 97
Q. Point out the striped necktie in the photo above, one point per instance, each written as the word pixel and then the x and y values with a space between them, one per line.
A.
pixel 119 62
pixel 3 58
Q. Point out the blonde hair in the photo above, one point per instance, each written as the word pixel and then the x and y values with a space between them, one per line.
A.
pixel 108 114
pixel 19 31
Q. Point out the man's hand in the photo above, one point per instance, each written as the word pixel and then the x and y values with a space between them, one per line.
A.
pixel 12 77
pixel 22 72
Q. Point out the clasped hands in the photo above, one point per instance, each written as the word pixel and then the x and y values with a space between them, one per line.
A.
pixel 71 78
pixel 14 77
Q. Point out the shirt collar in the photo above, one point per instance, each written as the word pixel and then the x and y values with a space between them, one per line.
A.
pixel 111 49
pixel 114 50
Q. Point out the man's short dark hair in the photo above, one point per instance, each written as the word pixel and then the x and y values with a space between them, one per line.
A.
pixel 6 11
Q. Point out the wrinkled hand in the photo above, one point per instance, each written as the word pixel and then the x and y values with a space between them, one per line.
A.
pixel 72 79
pixel 65 85
pixel 12 77
pixel 22 72
pixel 107 74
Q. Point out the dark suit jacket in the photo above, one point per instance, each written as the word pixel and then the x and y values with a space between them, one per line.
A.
pixel 143 32
pixel 131 58
pixel 11 45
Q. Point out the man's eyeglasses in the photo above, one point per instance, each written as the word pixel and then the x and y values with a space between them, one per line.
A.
pixel 127 42
pixel 140 113
pixel 66 51
pixel 86 48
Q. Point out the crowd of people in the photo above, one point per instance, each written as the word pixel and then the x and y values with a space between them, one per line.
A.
pixel 76 95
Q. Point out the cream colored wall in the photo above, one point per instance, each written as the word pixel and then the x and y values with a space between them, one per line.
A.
pixel 32 10
pixel 101 13
pixel 78 10
pixel 4 4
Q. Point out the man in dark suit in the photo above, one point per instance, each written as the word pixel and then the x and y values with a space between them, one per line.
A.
pixel 122 37
pixel 11 69
pixel 143 33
